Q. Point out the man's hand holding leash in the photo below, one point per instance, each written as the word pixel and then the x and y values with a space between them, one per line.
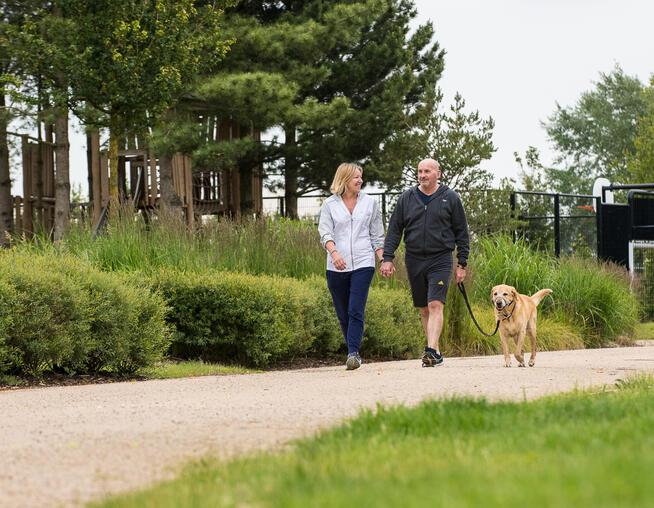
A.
pixel 460 273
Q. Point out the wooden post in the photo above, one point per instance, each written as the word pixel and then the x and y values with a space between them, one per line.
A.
pixel 18 214
pixel 28 224
pixel 104 179
pixel 188 180
pixel 95 172
pixel 152 192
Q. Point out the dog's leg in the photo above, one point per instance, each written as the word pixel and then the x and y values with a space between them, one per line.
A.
pixel 519 344
pixel 505 350
pixel 531 331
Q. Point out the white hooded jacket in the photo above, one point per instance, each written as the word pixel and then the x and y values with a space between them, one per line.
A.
pixel 356 235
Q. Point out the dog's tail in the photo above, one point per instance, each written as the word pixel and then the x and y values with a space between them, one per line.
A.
pixel 538 296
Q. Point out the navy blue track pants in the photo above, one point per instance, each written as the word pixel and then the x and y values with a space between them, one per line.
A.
pixel 349 292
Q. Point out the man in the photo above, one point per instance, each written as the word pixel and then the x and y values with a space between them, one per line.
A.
pixel 433 222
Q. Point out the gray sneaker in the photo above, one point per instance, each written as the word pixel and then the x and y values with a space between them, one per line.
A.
pixel 353 361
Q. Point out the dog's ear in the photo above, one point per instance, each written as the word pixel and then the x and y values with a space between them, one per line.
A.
pixel 491 293
pixel 514 292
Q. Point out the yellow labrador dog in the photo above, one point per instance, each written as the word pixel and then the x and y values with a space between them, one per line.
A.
pixel 517 316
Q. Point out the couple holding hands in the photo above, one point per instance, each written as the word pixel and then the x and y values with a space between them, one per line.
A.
pixel 431 218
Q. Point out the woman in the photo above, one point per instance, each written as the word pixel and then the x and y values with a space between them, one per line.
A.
pixel 352 233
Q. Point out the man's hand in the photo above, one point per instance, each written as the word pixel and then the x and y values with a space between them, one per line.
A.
pixel 387 268
pixel 460 273
pixel 337 259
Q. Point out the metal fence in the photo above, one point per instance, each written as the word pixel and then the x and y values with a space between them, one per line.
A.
pixel 558 223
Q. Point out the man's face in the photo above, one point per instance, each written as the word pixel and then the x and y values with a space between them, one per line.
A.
pixel 428 175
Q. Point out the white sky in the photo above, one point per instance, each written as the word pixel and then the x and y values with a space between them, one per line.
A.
pixel 514 59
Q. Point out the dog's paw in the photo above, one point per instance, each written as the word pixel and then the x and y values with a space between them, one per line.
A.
pixel 521 365
pixel 531 363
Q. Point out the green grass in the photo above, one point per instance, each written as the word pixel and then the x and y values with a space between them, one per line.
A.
pixel 585 449
pixel 170 370
pixel 644 331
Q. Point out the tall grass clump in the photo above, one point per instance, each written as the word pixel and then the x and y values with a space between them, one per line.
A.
pixel 593 296
pixel 596 296
pixel 272 246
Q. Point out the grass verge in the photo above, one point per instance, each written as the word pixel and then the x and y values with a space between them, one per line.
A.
pixel 644 331
pixel 191 368
pixel 578 449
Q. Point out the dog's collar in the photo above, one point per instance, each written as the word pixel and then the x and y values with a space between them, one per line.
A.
pixel 511 313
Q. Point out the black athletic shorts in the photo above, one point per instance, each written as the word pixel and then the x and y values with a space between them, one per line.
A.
pixel 429 278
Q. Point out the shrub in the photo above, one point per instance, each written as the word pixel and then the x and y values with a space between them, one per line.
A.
pixel 62 314
pixel 231 316
pixel 259 320
pixel 393 328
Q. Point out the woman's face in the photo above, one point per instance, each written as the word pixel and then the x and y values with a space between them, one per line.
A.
pixel 354 185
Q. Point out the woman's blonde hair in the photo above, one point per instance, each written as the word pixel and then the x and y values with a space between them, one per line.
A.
pixel 344 173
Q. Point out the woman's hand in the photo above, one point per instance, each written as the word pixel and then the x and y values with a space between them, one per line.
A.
pixel 337 259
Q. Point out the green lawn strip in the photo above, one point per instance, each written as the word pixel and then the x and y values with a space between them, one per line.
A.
pixel 578 449
pixel 191 368
pixel 644 331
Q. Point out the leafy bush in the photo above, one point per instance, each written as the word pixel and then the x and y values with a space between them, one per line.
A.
pixel 62 314
pixel 258 320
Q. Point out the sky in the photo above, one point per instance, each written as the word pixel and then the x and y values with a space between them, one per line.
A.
pixel 514 60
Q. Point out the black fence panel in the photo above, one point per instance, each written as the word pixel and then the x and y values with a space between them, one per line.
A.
pixel 613 226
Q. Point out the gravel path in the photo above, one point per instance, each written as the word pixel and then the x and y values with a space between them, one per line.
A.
pixel 63 446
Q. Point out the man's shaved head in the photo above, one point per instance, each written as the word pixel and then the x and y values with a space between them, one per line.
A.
pixel 429 163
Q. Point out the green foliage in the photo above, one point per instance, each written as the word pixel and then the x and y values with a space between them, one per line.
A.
pixel 646 285
pixel 227 317
pixel 579 449
pixel 590 295
pixel 291 249
pixel 159 45
pixel 393 328
pixel 336 77
pixel 193 368
pixel 262 246
pixel 641 163
pixel 460 141
pixel 222 316
pixel 63 315
pixel 595 137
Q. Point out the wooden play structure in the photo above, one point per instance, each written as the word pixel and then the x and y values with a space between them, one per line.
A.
pixel 198 191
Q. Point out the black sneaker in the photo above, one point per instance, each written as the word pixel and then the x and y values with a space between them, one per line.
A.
pixel 431 358
pixel 353 361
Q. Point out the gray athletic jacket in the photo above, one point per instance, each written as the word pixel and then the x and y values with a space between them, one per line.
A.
pixel 428 229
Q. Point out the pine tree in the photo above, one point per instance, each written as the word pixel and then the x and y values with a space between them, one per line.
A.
pixel 335 78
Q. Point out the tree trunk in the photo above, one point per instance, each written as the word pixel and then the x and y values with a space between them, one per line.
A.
pixel 62 174
pixel 167 196
pixel 114 136
pixel 6 205
pixel 291 172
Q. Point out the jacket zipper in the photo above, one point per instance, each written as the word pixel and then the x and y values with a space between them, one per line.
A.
pixel 424 234
pixel 351 235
